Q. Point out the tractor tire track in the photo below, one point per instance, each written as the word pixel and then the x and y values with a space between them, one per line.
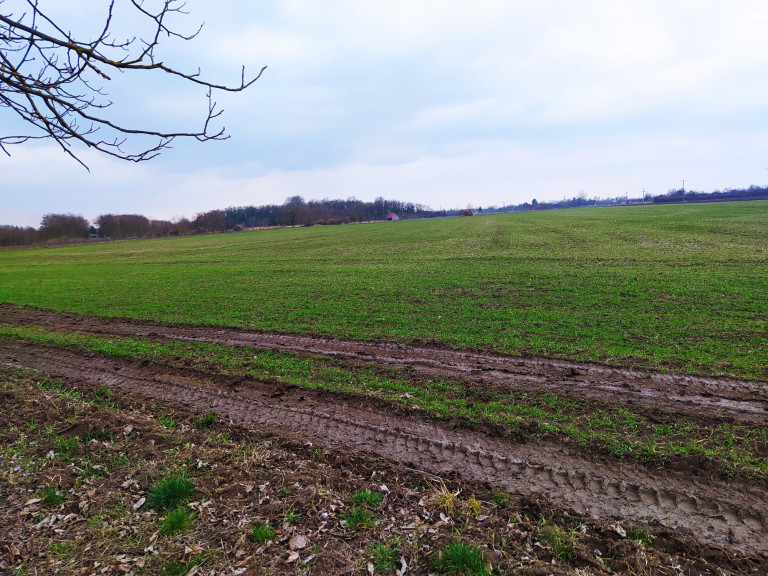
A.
pixel 742 400
pixel 725 514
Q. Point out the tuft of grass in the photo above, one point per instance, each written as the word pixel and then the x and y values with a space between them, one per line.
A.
pixel 499 497
pixel 52 496
pixel 167 422
pixel 105 434
pixel 650 452
pixel 92 470
pixel 386 555
pixel 220 438
pixel 263 532
pixel 104 396
pixel 367 498
pixel 177 521
pixel 206 421
pixel 65 446
pixel 359 519
pixel 170 492
pixel 63 549
pixel 445 500
pixel 174 568
pixel 561 542
pixel 289 516
pixel 643 536
pixel 459 558
pixel 474 506
pixel 617 447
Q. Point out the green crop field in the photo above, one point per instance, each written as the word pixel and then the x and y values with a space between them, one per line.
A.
pixel 668 287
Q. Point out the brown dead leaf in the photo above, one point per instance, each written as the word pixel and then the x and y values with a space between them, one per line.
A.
pixel 292 557
pixel 298 542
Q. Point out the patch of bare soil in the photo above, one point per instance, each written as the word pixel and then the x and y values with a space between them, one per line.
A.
pixel 79 463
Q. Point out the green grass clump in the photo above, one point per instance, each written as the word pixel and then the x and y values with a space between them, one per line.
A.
pixel 170 492
pixel 55 385
pixel 104 396
pixel 560 541
pixel 206 421
pixel 65 446
pixel 499 497
pixel 445 500
pixel 263 532
pixel 386 555
pixel 168 422
pixel 459 558
pixel 175 568
pixel 359 519
pixel 177 521
pixel 63 549
pixel 643 536
pixel 367 498
pixel 52 496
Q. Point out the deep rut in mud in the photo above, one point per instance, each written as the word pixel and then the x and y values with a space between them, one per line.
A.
pixel 724 514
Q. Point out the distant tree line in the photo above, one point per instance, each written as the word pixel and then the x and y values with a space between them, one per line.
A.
pixel 672 196
pixel 681 195
pixel 576 202
pixel 298 212
pixel 132 226
pixel 52 227
pixel 294 212
pixel 579 201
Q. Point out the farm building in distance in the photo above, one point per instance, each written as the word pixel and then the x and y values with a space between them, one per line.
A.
pixel 392 217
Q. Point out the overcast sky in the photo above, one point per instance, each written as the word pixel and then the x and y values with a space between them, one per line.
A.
pixel 443 103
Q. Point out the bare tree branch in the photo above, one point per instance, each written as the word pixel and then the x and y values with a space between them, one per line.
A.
pixel 49 79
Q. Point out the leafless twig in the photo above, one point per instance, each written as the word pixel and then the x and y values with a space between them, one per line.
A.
pixel 51 80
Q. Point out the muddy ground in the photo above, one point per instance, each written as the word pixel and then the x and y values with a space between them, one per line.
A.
pixel 705 516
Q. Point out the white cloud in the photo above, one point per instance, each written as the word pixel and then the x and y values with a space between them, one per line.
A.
pixel 437 102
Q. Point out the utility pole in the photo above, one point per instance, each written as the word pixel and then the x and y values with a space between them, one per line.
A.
pixel 683 186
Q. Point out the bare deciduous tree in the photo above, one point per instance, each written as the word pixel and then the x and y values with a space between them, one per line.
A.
pixel 63 226
pixel 53 79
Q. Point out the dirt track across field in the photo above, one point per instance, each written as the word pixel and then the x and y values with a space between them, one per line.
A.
pixel 730 514
pixel 743 400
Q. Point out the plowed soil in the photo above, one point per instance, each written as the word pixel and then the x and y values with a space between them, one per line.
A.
pixel 730 514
